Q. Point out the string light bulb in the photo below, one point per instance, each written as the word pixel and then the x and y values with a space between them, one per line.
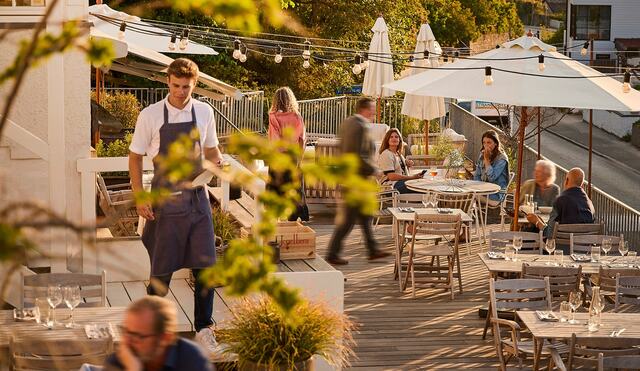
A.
pixel 278 57
pixel 411 58
pixel 306 64
pixel 243 53
pixel 172 42
pixel 365 63
pixel 626 85
pixel 541 62
pixel 123 27
pixel 488 79
pixel 356 67
pixel 236 49
pixel 426 54
pixel 306 54
pixel 585 48
pixel 184 40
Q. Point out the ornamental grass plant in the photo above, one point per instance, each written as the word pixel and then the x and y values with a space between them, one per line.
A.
pixel 260 333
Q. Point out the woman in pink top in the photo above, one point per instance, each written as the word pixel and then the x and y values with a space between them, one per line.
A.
pixel 285 122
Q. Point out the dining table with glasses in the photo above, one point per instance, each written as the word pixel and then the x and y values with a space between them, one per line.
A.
pixel 88 323
pixel 501 262
pixel 403 216
pixel 436 184
pixel 556 326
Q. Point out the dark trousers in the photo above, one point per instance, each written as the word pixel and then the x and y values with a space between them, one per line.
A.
pixel 202 297
pixel 350 217
pixel 401 187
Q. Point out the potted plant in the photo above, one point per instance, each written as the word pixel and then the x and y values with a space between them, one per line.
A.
pixel 444 150
pixel 264 338
pixel 225 228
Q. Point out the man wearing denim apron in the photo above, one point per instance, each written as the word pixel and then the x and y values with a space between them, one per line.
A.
pixel 179 232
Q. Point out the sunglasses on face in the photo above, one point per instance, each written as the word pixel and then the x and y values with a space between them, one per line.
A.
pixel 135 336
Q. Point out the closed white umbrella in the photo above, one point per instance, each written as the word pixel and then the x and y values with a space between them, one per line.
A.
pixel 380 70
pixel 519 83
pixel 420 106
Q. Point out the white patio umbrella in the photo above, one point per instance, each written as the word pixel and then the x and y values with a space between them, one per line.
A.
pixel 379 74
pixel 518 79
pixel 420 106
pixel 109 22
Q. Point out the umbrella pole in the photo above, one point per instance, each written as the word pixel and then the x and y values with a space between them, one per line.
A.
pixel 96 136
pixel 516 201
pixel 378 110
pixel 590 149
pixel 539 155
pixel 426 138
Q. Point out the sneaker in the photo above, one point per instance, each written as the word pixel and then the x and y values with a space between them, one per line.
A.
pixel 337 261
pixel 378 255
pixel 207 340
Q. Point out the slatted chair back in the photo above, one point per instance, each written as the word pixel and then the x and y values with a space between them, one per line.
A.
pixel 519 294
pixel 92 287
pixel 30 353
pixel 118 205
pixel 579 243
pixel 386 199
pixel 437 224
pixel 462 201
pixel 606 278
pixel 627 290
pixel 562 280
pixel 562 232
pixel 531 242
pixel 409 200
pixel 584 351
pixel 618 362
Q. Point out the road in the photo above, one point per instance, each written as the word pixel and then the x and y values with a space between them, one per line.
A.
pixel 618 175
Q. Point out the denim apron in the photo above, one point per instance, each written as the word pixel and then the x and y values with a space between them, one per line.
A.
pixel 181 235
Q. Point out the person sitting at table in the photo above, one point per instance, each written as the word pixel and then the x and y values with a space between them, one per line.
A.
pixel 542 187
pixel 149 340
pixel 393 164
pixel 493 167
pixel 573 206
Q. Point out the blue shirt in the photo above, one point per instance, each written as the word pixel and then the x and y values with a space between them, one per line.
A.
pixel 497 173
pixel 184 355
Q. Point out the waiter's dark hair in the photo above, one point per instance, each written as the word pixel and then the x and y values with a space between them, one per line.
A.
pixel 491 134
pixel 183 67
pixel 364 103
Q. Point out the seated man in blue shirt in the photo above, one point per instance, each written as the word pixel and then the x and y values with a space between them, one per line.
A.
pixel 149 340
pixel 573 206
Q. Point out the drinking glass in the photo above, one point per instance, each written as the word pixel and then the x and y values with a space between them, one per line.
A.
pixel 550 247
pixel 575 300
pixel 517 245
pixel 42 315
pixel 558 254
pixel 433 172
pixel 623 248
pixel 595 253
pixel 535 207
pixel 509 253
pixel 606 245
pixel 54 298
pixel 71 298
pixel 565 311
pixel 631 258
pixel 462 174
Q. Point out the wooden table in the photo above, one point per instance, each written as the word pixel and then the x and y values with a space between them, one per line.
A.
pixel 400 220
pixel 496 266
pixel 82 316
pixel 543 330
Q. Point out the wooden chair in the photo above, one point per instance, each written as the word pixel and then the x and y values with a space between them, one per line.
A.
pixel 627 291
pixel 118 205
pixel 586 351
pixel 618 362
pixel 30 353
pixel 93 287
pixel 582 243
pixel 606 279
pixel 562 232
pixel 562 280
pixel 436 225
pixel 517 294
pixel 464 202
pixel 531 242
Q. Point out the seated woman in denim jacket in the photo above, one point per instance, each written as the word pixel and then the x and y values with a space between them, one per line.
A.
pixel 392 163
pixel 493 167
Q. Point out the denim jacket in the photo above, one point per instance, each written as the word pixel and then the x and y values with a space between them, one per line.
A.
pixel 497 173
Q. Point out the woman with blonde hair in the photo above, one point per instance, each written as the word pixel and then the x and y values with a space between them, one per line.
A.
pixel 393 164
pixel 285 122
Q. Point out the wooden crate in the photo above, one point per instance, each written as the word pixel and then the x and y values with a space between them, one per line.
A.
pixel 296 241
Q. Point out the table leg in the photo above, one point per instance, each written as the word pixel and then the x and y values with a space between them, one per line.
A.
pixel 537 346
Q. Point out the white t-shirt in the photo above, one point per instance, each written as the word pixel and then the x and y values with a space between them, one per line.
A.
pixel 146 137
pixel 389 161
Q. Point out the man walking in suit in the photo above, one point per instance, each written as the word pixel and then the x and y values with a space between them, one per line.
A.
pixel 355 139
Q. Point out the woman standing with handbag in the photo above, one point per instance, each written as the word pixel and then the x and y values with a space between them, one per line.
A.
pixel 285 123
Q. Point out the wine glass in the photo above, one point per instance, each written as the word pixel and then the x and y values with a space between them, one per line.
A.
pixel 54 298
pixel 71 298
pixel 575 300
pixel 517 245
pixel 606 245
pixel 623 248
pixel 433 172
pixel 550 247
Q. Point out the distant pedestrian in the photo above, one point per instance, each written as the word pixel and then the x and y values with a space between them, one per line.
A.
pixel 355 139
pixel 284 116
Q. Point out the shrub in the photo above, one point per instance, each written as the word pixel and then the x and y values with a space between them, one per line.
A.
pixel 224 224
pixel 117 148
pixel 123 106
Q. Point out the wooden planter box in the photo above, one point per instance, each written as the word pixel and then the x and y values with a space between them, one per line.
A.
pixel 296 241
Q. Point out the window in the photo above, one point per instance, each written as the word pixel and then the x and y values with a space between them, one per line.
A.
pixel 591 22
